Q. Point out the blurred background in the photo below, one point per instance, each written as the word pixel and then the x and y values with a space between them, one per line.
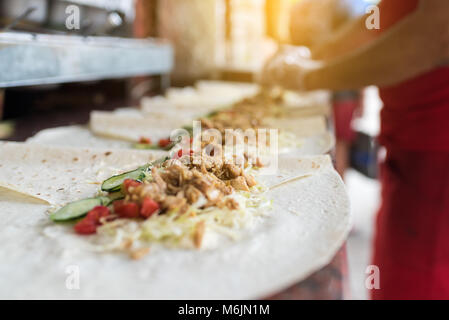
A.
pixel 55 71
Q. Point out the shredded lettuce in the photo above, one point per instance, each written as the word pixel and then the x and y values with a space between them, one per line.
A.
pixel 175 230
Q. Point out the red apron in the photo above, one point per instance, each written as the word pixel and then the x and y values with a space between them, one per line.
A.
pixel 412 235
pixel 344 106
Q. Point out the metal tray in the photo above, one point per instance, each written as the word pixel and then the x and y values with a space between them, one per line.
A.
pixel 29 59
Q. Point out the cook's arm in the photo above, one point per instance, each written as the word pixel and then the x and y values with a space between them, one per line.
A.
pixel 351 36
pixel 415 45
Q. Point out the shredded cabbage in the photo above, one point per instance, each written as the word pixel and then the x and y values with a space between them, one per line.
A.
pixel 175 230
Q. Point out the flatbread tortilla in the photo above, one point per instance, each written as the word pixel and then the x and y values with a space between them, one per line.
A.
pixel 58 175
pixel 301 127
pixel 193 105
pixel 80 136
pixel 206 96
pixel 238 90
pixel 308 224
pixel 133 127
pixel 76 136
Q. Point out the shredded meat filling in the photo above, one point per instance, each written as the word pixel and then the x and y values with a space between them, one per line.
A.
pixel 176 186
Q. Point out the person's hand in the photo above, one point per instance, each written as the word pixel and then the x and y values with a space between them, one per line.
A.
pixel 288 68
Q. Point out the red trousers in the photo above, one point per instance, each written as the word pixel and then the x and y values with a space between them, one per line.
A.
pixel 412 235
pixel 343 111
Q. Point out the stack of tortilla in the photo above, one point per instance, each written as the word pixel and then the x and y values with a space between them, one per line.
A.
pixel 309 221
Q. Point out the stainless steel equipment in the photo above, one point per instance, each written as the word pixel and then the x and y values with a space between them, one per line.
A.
pixel 97 17
pixel 28 59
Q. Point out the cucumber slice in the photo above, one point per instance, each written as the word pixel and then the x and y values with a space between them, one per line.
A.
pixel 80 208
pixel 76 209
pixel 106 201
pixel 115 183
pixel 189 129
pixel 170 146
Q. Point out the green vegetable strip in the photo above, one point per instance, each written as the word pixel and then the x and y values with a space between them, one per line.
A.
pixel 76 209
pixel 115 183
pixel 80 208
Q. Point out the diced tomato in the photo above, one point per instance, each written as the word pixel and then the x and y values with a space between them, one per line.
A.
pixel 145 140
pixel 181 153
pixel 149 207
pixel 126 209
pixel 97 213
pixel 164 142
pixel 86 226
pixel 178 154
pixel 92 220
pixel 130 183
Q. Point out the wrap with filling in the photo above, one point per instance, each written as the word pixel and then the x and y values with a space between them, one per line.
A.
pixel 308 223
